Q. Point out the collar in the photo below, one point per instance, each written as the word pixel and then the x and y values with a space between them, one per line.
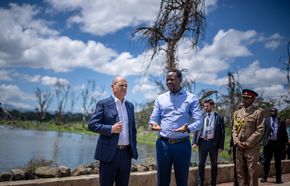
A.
pixel 117 100
pixel 210 113
pixel 249 108
pixel 181 91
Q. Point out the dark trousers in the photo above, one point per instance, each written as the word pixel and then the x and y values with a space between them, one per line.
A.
pixel 273 147
pixel 117 170
pixel 288 151
pixel 207 147
pixel 236 183
pixel 178 155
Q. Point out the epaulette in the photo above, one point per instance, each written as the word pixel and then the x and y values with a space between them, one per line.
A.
pixel 261 109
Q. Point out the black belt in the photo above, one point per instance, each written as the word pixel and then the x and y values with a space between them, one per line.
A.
pixel 122 147
pixel 174 140
pixel 206 139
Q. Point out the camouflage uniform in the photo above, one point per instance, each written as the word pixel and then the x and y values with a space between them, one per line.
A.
pixel 248 129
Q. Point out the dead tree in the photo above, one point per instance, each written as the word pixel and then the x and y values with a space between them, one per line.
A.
pixel 7 114
pixel 177 19
pixel 234 94
pixel 44 99
pixel 61 93
pixel 89 96
pixel 286 67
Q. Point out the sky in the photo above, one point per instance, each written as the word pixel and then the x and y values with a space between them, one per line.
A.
pixel 74 42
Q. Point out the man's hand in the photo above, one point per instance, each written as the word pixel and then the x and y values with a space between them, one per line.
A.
pixel 117 127
pixel 154 126
pixel 183 128
pixel 242 146
pixel 220 150
pixel 194 146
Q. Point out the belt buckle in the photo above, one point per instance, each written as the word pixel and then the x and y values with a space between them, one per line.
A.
pixel 171 141
pixel 122 147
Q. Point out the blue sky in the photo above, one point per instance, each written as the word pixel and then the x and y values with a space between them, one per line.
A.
pixel 74 41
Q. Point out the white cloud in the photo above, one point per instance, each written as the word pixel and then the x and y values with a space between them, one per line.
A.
pixel 44 80
pixel 47 80
pixel 230 44
pixel 125 64
pixel 5 75
pixel 25 41
pixel 103 17
pixel 207 62
pixel 256 76
pixel 145 87
pixel 12 95
pixel 272 91
pixel 267 81
pixel 271 42
pixel 210 5
pixel 18 31
pixel 63 54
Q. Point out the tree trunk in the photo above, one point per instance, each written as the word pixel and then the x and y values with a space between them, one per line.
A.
pixel 170 56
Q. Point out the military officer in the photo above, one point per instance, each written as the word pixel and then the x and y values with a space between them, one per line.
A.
pixel 247 133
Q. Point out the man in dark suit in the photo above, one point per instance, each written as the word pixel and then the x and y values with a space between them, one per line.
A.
pixel 114 120
pixel 210 140
pixel 274 141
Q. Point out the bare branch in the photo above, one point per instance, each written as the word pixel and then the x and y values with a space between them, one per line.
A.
pixel 176 19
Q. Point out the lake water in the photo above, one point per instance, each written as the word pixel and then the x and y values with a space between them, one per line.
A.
pixel 19 146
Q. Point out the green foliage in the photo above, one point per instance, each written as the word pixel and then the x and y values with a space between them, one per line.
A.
pixel 284 114
pixel 142 117
pixel 74 127
pixel 146 136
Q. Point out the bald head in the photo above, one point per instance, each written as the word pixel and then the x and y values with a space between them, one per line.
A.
pixel 119 87
pixel 117 79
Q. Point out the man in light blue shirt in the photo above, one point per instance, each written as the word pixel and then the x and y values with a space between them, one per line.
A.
pixel 175 114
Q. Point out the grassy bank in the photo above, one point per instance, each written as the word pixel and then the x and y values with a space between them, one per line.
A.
pixel 143 136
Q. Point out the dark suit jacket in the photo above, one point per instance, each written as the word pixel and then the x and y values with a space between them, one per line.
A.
pixel 281 133
pixel 103 118
pixel 219 132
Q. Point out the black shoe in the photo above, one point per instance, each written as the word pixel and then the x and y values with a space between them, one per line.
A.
pixel 263 180
pixel 279 182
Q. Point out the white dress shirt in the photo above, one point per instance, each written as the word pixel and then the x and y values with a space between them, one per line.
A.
pixel 123 117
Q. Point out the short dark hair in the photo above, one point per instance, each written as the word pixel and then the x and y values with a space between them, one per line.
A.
pixel 273 109
pixel 210 101
pixel 178 72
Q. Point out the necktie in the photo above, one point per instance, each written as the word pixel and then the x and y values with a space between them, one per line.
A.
pixel 207 121
pixel 272 127
pixel 206 124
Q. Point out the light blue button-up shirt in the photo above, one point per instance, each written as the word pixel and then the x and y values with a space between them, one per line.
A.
pixel 173 111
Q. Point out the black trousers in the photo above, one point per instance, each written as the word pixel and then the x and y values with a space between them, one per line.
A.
pixel 236 183
pixel 288 151
pixel 273 147
pixel 207 147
